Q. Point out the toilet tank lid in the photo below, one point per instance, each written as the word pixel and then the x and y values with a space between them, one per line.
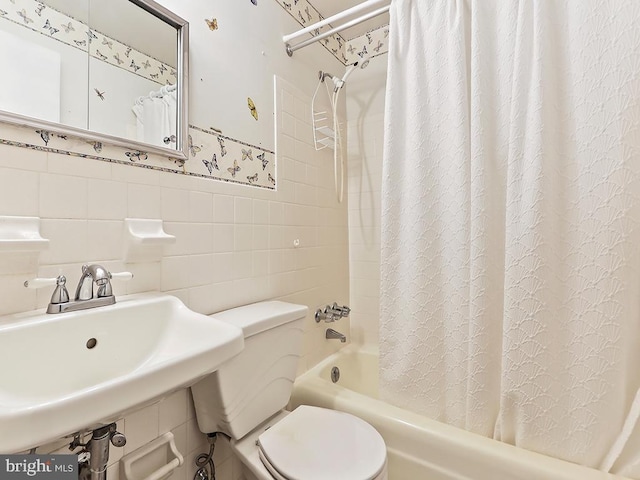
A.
pixel 261 316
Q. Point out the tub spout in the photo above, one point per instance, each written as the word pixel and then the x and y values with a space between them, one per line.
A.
pixel 332 334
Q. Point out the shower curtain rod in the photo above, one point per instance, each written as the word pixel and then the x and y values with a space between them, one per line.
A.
pixel 338 16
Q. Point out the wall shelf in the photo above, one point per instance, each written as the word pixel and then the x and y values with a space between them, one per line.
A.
pixel 145 240
pixel 20 244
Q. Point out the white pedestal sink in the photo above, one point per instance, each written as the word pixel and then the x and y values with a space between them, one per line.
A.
pixel 73 371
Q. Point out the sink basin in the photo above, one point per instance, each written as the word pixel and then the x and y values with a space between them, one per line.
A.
pixel 54 382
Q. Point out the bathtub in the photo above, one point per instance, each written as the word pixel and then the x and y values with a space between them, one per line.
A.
pixel 420 448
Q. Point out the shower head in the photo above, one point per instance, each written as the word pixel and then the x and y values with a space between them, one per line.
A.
pixel 361 64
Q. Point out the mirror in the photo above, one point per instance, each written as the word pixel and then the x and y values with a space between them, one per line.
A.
pixel 105 70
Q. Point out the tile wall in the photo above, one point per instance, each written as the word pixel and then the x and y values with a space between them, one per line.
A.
pixel 365 114
pixel 235 245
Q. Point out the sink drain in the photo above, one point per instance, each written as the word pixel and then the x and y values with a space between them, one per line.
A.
pixel 335 374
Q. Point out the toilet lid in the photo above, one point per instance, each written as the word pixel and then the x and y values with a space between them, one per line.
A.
pixel 313 443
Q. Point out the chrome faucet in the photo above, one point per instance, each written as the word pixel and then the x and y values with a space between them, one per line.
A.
pixel 85 297
pixel 94 274
pixel 332 334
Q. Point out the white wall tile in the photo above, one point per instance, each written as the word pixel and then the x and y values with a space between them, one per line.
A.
pixel 19 192
pixel 172 412
pixel 143 201
pixel 200 207
pixel 62 196
pixel 107 200
pixel 243 210
pixel 175 204
pixel 141 427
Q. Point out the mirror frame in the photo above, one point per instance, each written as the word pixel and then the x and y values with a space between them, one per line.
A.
pixel 181 151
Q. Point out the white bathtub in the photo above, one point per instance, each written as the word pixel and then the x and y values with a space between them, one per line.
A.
pixel 420 448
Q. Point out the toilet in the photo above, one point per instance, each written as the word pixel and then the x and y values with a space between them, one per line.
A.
pixel 245 399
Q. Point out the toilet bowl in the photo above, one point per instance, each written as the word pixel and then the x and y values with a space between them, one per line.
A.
pixel 313 443
pixel 245 400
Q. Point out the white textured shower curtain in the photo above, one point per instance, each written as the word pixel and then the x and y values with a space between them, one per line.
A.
pixel 510 278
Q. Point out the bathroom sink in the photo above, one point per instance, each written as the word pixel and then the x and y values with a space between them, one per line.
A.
pixel 72 371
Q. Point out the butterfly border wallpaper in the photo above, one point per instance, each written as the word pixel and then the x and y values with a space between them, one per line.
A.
pixel 211 154
pixel 47 21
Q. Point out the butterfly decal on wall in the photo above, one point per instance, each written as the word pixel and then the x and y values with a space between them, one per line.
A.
pixel 173 73
pixel 97 146
pixel 3 13
pixel 272 180
pixel 162 68
pixel 99 94
pixel 40 8
pixel 301 17
pixel 386 32
pixel 136 156
pixel 52 30
pixel 252 108
pixel 68 28
pixel 116 57
pixel 146 64
pixel 108 43
pixel 91 36
pixel 127 52
pixel 100 55
pixel 363 52
pixel 44 135
pixel 62 137
pixel 306 10
pixel 252 179
pixel 223 150
pixel 213 23
pixel 287 5
pixel 211 164
pixel 350 49
pixel 235 169
pixel 80 43
pixel 378 47
pixel 263 159
pixel 154 75
pixel 23 14
pixel 369 38
pixel 193 149
pixel 134 66
pixel 247 154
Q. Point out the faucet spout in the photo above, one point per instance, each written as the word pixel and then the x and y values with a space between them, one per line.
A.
pixel 93 274
pixel 331 334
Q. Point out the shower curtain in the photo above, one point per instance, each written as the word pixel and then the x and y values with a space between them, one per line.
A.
pixel 510 266
pixel 156 116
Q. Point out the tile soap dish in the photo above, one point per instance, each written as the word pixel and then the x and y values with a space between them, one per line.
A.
pixel 20 244
pixel 145 240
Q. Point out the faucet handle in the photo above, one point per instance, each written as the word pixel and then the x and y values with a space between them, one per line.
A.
pixel 41 282
pixel 121 276
pixel 60 294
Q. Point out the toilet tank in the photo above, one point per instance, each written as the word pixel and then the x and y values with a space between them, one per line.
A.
pixel 255 384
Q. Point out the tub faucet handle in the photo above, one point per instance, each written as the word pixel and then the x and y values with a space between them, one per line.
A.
pixel 341 311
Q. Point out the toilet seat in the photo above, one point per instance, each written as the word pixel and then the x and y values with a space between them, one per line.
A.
pixel 313 443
